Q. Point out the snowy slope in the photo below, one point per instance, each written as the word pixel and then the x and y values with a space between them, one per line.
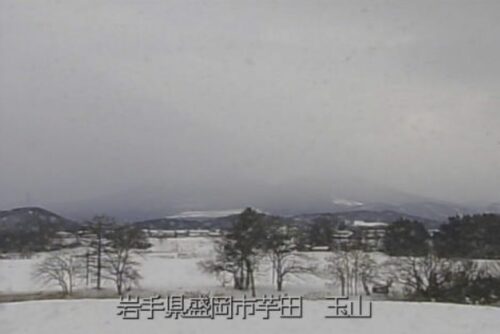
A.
pixel 99 316
pixel 206 214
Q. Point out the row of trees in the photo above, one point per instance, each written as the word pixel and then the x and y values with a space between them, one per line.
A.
pixel 428 267
pixel 352 269
pixel 431 277
pixel 255 236
pixel 424 266
pixel 252 237
pixel 108 252
pixel 458 263
pixel 469 237
pixel 476 236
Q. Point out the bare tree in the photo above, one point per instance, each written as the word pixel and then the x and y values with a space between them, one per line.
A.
pixel 223 266
pixel 95 239
pixel 280 247
pixel 352 269
pixel 424 276
pixel 60 268
pixel 221 272
pixel 339 268
pixel 368 272
pixel 289 263
pixel 432 277
pixel 121 265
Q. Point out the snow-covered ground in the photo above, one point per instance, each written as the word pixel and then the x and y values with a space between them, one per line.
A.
pixel 170 265
pixel 100 316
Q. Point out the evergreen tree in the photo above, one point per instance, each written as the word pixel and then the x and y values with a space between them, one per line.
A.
pixel 406 238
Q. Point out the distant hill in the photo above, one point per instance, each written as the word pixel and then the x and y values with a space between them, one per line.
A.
pixel 430 213
pixel 209 223
pixel 224 222
pixel 31 219
pixel 493 208
pixel 427 210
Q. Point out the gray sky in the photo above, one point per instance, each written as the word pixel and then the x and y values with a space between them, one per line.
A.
pixel 197 104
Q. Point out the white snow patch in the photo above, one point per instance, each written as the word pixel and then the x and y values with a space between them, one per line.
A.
pixel 206 214
pixel 100 316
pixel 346 202
pixel 360 223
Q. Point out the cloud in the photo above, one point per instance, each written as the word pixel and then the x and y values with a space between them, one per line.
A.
pixel 267 100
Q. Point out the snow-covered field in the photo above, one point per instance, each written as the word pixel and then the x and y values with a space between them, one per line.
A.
pixel 99 316
pixel 171 266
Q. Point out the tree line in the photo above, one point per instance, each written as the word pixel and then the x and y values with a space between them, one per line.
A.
pixel 252 237
pixel 439 266
pixel 459 262
pixel 108 251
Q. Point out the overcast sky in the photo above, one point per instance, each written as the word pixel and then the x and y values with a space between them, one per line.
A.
pixel 223 103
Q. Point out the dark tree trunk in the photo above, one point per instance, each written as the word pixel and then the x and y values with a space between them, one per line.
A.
pixel 248 273
pixel 280 283
pixel 99 251
pixel 252 282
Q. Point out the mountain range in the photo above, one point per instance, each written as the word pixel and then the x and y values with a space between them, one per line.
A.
pixel 432 214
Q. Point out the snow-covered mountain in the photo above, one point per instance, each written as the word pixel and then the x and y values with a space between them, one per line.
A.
pixel 432 210
pixel 205 214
